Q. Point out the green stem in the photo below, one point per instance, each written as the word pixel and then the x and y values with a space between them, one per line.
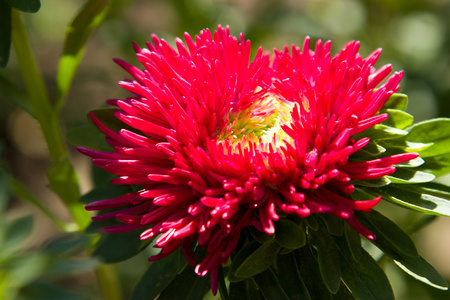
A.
pixel 109 282
pixel 48 119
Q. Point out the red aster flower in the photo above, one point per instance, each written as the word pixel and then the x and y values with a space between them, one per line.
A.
pixel 222 142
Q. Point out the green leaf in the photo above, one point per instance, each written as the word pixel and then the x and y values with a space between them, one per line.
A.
pixel 371 149
pixel 106 191
pixel 5 33
pixel 398 119
pixel 289 277
pixel 258 261
pixel 77 33
pixel 328 258
pixel 365 279
pixel 381 132
pixel 28 6
pixel 429 201
pixel 309 270
pixel 289 235
pixel 186 285
pixel 156 278
pixel 379 182
pixel 17 231
pixel 335 226
pixel 116 247
pixel 106 116
pixel 245 289
pixel 389 237
pixel 261 237
pixel 89 137
pixel 353 239
pixel 343 294
pixel 239 258
pixel 47 291
pixel 420 269
pixel 396 101
pixel 407 176
pixel 270 286
pixel 438 165
pixel 435 131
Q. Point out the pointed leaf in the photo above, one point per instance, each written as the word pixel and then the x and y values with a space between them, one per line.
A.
pixel 389 237
pixel 365 279
pixel 420 269
pixel 419 199
pixel 328 258
pixel 5 33
pixel 270 286
pixel 335 226
pixel 261 259
pixel 156 278
pixel 289 277
pixel 116 247
pixel 89 137
pixel 406 176
pixel 353 239
pixel 435 131
pixel 28 6
pixel 289 235
pixel 239 258
pixel 382 132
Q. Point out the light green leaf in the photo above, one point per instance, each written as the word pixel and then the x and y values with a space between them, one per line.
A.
pixel 382 132
pixel 289 235
pixel 396 101
pixel 398 119
pixel 435 131
pixel 77 33
pixel 28 6
pixel 261 259
pixel 438 165
pixel 5 33
pixel 428 201
pixel 156 278
pixel 407 176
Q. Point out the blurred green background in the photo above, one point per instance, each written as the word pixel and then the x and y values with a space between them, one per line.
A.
pixel 414 35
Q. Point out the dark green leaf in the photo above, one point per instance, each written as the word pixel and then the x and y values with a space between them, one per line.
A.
pixel 261 237
pixel 289 277
pixel 116 247
pixel 289 235
pixel 4 194
pixel 28 6
pixel 309 271
pixel 426 200
pixel 48 291
pixel 312 223
pixel 89 137
pixel 420 269
pixel 396 101
pixel 5 33
pixel 261 259
pixel 343 294
pixel 398 119
pixel 365 279
pixel 335 226
pixel 156 278
pixel 328 258
pixel 407 176
pixel 12 92
pixel 353 239
pixel 77 33
pixel 239 258
pixel 245 289
pixel 435 131
pixel 106 116
pixel 186 285
pixel 107 191
pixel 270 286
pixel 389 237
pixel 17 231
pixel 371 149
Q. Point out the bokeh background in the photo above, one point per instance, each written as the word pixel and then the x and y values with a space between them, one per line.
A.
pixel 414 35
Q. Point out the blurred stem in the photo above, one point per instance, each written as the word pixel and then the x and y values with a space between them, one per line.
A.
pixel 47 117
pixel 109 282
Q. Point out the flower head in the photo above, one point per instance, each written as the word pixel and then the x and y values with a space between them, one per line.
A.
pixel 221 142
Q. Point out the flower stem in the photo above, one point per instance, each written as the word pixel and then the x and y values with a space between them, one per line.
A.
pixel 109 282
pixel 48 119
